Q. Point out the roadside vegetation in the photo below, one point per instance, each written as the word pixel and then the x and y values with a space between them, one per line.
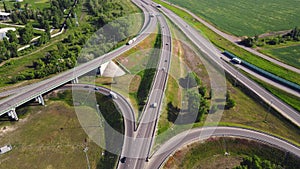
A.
pixel 62 52
pixel 147 75
pixel 242 109
pixel 283 47
pixel 141 62
pixel 226 45
pixel 240 153
pixel 52 137
pixel 288 98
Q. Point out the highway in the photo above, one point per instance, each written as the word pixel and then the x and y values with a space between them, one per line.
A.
pixel 235 41
pixel 45 86
pixel 137 150
pixel 139 138
pixel 214 55
pixel 200 134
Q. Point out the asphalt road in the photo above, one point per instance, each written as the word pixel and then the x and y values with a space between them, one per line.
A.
pixel 235 41
pixel 137 149
pixel 200 134
pixel 123 104
pixel 214 55
pixel 47 85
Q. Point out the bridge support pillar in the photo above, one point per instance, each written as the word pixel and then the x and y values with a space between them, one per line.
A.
pixel 12 114
pixel 40 99
pixel 75 81
pixel 98 70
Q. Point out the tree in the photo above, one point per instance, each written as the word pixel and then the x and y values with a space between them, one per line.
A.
pixel 43 39
pixel 26 34
pixel 255 162
pixel 56 21
pixel 230 103
pixel 14 17
pixel 23 18
pixel 17 5
pixel 5 7
pixel 202 90
pixel 12 36
pixel 47 28
pixel 13 48
pixel 71 38
pixel 248 42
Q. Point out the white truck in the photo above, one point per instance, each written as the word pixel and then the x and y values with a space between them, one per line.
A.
pixel 131 41
pixel 236 60
pixel 113 95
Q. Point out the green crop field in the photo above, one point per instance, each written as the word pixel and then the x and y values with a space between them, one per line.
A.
pixel 289 55
pixel 244 17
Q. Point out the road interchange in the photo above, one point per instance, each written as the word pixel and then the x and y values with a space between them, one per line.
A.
pixel 147 125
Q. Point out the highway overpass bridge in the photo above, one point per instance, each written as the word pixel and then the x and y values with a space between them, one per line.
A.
pixel 36 91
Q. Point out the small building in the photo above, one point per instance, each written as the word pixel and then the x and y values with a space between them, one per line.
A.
pixel 3 32
pixel 5 149
pixel 4 15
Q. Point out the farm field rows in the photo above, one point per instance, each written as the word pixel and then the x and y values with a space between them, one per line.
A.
pixel 246 18
pixel 289 55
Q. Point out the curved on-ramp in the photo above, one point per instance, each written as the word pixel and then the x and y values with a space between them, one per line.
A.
pixel 161 155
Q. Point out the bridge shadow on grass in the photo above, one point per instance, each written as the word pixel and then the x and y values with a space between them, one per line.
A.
pixel 178 116
pixel 113 129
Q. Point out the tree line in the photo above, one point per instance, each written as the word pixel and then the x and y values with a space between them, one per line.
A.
pixel 254 162
pixel 54 14
pixel 198 101
pixel 69 51
pixel 293 35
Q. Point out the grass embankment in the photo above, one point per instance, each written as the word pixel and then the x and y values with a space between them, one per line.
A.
pixel 288 98
pixel 289 55
pixel 52 137
pixel 210 154
pixel 141 61
pixel 246 18
pixel 227 45
pixel 248 113
pixel 147 75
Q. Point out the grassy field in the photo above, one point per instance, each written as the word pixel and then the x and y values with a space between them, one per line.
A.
pixel 47 137
pixel 289 55
pixel 226 45
pixel 52 137
pixel 210 154
pixel 248 113
pixel 246 18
